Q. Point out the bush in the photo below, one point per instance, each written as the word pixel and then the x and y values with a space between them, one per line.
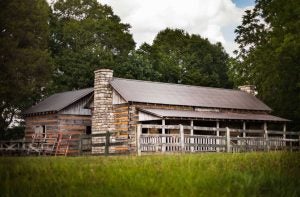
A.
pixel 13 133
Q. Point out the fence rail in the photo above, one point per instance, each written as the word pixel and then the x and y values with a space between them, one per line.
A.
pixel 67 143
pixel 214 140
pixel 223 140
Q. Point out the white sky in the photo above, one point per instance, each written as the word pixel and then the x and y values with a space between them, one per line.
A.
pixel 212 19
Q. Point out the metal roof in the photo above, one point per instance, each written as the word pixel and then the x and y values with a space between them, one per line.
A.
pixel 167 113
pixel 59 101
pixel 176 94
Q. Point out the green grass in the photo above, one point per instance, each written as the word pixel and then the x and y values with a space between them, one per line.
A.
pixel 249 174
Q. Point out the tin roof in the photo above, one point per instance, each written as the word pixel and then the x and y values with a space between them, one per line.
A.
pixel 176 94
pixel 59 101
pixel 167 113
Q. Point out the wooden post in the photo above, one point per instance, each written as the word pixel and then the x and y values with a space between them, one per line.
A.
pixel 244 129
pixel 138 139
pixel 299 142
pixel 107 139
pixel 218 135
pixel 163 139
pixel 228 140
pixel 284 134
pixel 266 136
pixel 80 144
pixel 181 137
pixel 192 140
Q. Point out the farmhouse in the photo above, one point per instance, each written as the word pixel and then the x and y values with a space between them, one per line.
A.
pixel 116 104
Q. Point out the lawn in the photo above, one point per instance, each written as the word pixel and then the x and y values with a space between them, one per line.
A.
pixel 244 174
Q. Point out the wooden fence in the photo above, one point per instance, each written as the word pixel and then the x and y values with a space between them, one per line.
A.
pixel 67 144
pixel 108 143
pixel 221 140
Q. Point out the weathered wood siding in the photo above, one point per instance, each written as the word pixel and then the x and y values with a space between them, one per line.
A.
pixel 56 123
pixel 50 121
pixel 77 108
pixel 117 98
pixel 121 117
pixel 74 123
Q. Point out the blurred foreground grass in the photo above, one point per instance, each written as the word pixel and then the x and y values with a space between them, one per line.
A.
pixel 244 174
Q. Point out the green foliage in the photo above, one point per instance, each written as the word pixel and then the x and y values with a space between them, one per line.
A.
pixel 14 133
pixel 86 35
pixel 248 174
pixel 24 61
pixel 189 59
pixel 268 55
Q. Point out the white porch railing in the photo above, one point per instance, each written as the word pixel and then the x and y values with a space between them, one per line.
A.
pixel 224 140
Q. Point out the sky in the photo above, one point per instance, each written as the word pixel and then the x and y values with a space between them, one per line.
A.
pixel 212 19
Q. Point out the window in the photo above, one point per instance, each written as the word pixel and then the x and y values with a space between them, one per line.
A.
pixel 40 130
pixel 88 130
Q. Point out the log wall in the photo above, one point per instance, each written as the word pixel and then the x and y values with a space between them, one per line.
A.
pixel 50 121
pixel 56 123
pixel 74 123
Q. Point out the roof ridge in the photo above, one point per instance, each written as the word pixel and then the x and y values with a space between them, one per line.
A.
pixel 178 84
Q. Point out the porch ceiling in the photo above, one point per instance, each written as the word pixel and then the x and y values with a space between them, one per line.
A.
pixel 166 113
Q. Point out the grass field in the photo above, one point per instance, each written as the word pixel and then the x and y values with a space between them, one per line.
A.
pixel 249 174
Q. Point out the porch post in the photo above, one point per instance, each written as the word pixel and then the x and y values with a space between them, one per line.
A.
pixel 284 134
pixel 218 135
pixel 192 140
pixel 138 139
pixel 227 140
pixel 244 129
pixel 266 136
pixel 163 139
pixel 181 137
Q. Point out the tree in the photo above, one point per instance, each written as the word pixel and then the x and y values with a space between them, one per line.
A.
pixel 189 59
pixel 24 58
pixel 138 65
pixel 86 35
pixel 268 55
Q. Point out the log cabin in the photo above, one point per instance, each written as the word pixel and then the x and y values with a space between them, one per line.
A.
pixel 117 104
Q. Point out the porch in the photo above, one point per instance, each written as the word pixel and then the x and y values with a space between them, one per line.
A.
pixel 216 139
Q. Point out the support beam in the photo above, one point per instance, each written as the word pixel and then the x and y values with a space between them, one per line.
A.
pixel 181 137
pixel 163 139
pixel 192 140
pixel 266 136
pixel 218 134
pixel 138 139
pixel 163 130
pixel 284 133
pixel 192 127
pixel 227 140
pixel 284 130
pixel 244 129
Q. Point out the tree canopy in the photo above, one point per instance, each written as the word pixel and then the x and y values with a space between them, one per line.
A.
pixel 268 55
pixel 178 57
pixel 85 35
pixel 24 61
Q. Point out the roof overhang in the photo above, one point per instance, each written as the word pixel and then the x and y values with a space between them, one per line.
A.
pixel 156 114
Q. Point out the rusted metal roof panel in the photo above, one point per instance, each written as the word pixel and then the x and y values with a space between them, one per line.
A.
pixel 59 101
pixel 175 94
pixel 166 113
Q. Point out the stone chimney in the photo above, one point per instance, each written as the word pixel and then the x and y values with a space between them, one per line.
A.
pixel 102 118
pixel 250 89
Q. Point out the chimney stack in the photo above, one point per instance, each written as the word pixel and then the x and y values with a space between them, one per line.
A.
pixel 102 118
pixel 250 89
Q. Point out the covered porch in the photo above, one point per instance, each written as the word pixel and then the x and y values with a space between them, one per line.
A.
pixel 165 130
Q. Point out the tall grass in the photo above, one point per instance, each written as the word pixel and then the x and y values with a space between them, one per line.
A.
pixel 249 174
